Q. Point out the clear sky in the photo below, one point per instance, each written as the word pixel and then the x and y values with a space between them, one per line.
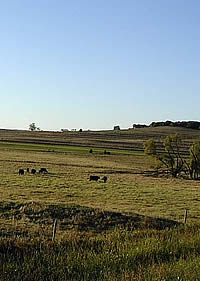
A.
pixel 93 64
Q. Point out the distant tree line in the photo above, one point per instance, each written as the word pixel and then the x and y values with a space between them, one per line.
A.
pixel 183 124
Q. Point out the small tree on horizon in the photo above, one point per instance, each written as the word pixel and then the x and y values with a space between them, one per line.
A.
pixel 32 127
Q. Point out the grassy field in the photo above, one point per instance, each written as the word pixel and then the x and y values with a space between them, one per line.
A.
pixel 111 230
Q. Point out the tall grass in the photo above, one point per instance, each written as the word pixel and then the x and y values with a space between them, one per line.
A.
pixel 118 255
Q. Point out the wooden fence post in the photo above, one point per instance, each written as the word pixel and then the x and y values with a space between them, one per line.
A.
pixel 54 229
pixel 185 216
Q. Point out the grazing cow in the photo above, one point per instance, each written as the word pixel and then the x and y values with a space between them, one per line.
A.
pixel 43 170
pixel 94 178
pixel 21 172
pixel 27 170
pixel 104 179
pixel 90 151
pixel 33 171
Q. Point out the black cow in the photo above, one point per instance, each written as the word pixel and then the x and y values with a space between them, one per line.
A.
pixel 21 172
pixel 43 170
pixel 107 152
pixel 27 170
pixel 105 179
pixel 94 178
pixel 90 151
pixel 33 171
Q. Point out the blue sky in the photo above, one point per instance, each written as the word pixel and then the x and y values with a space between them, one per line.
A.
pixel 93 64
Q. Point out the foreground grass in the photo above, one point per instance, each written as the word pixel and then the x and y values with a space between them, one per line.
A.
pixel 119 255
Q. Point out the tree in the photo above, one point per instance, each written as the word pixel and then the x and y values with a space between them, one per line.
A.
pixel 150 147
pixel 32 127
pixel 171 158
pixel 194 164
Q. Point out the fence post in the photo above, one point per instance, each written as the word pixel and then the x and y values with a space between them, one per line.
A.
pixel 185 216
pixel 54 229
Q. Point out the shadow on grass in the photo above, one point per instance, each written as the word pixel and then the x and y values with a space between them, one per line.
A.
pixel 75 217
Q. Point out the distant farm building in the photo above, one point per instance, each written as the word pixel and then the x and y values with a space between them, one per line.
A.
pixel 116 128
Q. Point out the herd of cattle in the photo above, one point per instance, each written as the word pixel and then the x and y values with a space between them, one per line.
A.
pixel 33 171
pixel 45 171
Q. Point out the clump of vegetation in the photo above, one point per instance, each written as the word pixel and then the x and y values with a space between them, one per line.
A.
pixel 194 165
pixel 174 161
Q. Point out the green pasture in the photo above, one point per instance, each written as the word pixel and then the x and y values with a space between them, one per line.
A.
pixel 12 146
pixel 129 228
